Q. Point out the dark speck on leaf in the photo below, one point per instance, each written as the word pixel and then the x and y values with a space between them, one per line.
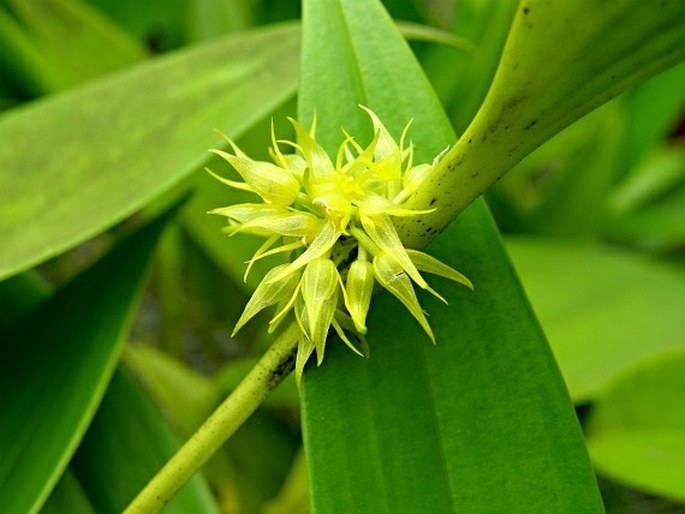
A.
pixel 526 10
pixel 470 141
pixel 433 201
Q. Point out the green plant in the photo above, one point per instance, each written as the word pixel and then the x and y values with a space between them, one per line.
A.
pixel 480 422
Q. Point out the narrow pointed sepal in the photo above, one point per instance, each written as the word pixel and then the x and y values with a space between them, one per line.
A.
pixel 274 184
pixel 358 291
pixel 430 264
pixel 392 277
pixel 320 286
pixel 268 293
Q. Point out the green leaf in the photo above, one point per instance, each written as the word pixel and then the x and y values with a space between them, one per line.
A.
pixel 160 24
pixel 126 444
pixel 213 18
pixel 24 71
pixel 122 141
pixel 655 108
pixel 56 366
pixel 75 41
pixel 68 496
pixel 19 295
pixel 603 310
pixel 660 174
pixel 477 423
pixel 185 396
pixel 636 430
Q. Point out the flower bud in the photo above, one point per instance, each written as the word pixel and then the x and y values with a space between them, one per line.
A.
pixel 358 289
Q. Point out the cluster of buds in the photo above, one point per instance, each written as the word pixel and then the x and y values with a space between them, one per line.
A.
pixel 334 223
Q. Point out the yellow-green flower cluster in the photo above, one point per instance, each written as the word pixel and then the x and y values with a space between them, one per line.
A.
pixel 334 222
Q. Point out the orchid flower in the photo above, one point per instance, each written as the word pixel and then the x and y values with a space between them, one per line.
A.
pixel 334 222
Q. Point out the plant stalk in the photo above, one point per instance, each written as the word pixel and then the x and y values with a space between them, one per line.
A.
pixel 272 368
pixel 541 87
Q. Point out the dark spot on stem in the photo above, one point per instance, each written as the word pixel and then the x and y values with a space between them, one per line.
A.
pixel 283 369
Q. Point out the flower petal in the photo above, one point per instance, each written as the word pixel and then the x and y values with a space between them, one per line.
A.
pixel 268 292
pixel 234 184
pixel 386 145
pixel 382 232
pixel 343 336
pixel 244 212
pixel 304 350
pixel 320 245
pixel 393 278
pixel 320 294
pixel 320 165
pixel 290 224
pixel 273 183
pixel 430 264
pixel 373 205
pixel 358 291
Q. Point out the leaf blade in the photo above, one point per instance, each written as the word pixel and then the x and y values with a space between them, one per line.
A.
pixel 57 368
pixel 116 126
pixel 413 422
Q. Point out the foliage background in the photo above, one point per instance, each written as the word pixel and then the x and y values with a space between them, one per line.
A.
pixel 593 222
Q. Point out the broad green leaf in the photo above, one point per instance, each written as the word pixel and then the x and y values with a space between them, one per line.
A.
pixel 160 24
pixel 657 176
pixel 476 423
pixel 19 295
pixel 660 227
pixel 24 71
pixel 108 148
pixel 212 18
pixel 56 366
pixel 636 429
pixel 603 310
pixel 655 108
pixel 76 42
pixel 126 444
pixel 68 496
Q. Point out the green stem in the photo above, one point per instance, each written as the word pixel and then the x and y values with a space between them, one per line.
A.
pixel 541 87
pixel 271 369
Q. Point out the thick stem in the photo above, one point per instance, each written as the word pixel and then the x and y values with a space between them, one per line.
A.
pixel 550 75
pixel 272 368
